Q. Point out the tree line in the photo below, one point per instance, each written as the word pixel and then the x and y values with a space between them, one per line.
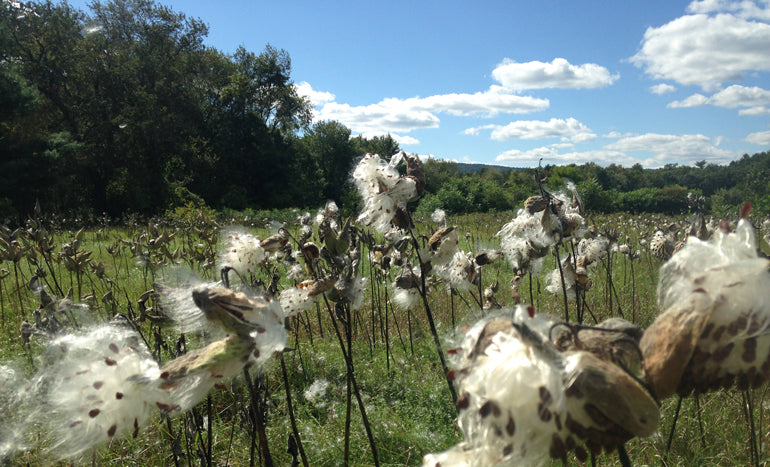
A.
pixel 671 189
pixel 123 108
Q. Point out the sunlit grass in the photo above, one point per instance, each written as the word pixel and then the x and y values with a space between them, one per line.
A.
pixel 399 376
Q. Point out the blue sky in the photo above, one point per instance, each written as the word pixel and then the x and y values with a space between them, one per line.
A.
pixel 510 82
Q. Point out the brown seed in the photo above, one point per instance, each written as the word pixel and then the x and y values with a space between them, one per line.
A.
pixel 98 384
pixel 93 413
pixel 464 401
pixel 544 414
pixel 557 449
pixel 118 395
pixel 581 454
pixel 597 416
pixel 718 333
pixel 489 407
pixel 136 428
pixel 112 430
pixel 510 427
pixel 114 348
pixel 707 330
pixel 545 395
pixel 507 450
pixel 722 353
pixel 75 423
pixel 109 361
pixel 749 350
pixel 765 368
pixel 737 325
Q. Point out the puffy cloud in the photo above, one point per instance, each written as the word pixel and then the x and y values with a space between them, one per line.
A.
pixel 740 96
pixel 754 99
pixel 762 138
pixel 568 130
pixel 662 88
pixel 559 73
pixel 316 97
pixel 680 149
pixel 706 50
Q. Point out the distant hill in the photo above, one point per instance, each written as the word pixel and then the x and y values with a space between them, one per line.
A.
pixel 473 168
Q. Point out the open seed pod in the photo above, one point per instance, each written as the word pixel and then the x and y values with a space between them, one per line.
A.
pixel 713 332
pixel 523 401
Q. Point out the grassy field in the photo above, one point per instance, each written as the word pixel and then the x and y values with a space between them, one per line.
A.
pixel 399 377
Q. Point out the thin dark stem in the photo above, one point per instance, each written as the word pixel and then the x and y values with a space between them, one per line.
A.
pixel 698 415
pixel 623 456
pixel 352 382
pixel 290 406
pixel 424 294
pixel 563 283
pixel 209 430
pixel 748 411
pixel 258 420
pixel 673 427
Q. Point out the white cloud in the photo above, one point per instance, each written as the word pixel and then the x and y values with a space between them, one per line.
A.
pixel 662 88
pixel 404 115
pixel 557 74
pixel 740 96
pixel 616 134
pixel 707 50
pixel 384 117
pixel 568 130
pixel 316 97
pixel 754 99
pixel 680 149
pixel 762 138
pixel 754 111
pixel 743 9
pixel 692 101
pixel 550 155
pixel 406 140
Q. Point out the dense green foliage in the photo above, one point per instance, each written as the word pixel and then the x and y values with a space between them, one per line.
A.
pixel 606 189
pixel 123 109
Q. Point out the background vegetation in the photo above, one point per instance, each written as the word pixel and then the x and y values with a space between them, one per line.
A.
pixel 123 109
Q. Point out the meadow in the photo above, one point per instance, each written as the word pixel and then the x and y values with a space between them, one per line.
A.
pixel 362 386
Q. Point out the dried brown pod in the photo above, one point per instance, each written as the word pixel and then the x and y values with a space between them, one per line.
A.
pixel 535 204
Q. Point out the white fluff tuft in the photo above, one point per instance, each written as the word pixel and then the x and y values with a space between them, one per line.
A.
pixel 242 252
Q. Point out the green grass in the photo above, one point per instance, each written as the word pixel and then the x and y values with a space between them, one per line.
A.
pixel 398 373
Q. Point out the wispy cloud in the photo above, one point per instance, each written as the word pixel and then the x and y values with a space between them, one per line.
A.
pixel 651 150
pixel 720 41
pixel 680 149
pixel 551 155
pixel 567 130
pixel 393 115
